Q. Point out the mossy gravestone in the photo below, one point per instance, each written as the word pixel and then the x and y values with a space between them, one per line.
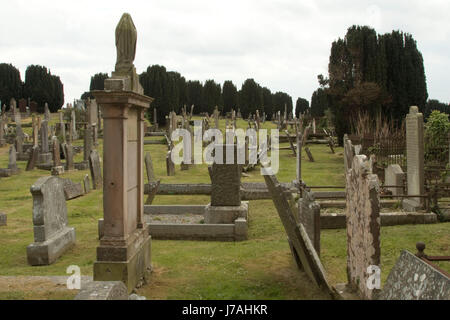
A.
pixel 52 236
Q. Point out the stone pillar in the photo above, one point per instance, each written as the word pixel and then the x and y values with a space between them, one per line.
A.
pixel 414 159
pixel 87 148
pixel 45 157
pixel 62 125
pixel 124 251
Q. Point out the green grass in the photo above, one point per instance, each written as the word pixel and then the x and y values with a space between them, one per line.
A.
pixel 260 268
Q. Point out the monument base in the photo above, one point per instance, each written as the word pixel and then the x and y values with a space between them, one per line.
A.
pixel 411 205
pixel 226 214
pixel 82 165
pixel 45 253
pixel 57 171
pixel 133 271
pixel 45 159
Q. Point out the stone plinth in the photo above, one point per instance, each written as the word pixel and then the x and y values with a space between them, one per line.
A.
pixel 103 290
pixel 225 214
pixel 124 251
pixel 52 236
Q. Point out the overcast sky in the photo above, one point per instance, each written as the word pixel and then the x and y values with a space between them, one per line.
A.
pixel 282 44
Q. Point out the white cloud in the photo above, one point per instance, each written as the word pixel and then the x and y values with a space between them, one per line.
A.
pixel 283 45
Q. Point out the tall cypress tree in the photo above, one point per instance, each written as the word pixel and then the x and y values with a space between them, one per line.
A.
pixel 229 96
pixel 10 84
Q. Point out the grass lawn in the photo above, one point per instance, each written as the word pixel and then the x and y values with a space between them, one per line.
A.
pixel 260 268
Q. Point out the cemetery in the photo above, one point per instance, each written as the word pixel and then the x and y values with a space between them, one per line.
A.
pixel 97 186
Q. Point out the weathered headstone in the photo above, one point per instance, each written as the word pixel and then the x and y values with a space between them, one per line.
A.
pixel 72 190
pixel 69 157
pixel 23 105
pixel 3 219
pixel 52 236
pixel 2 132
pixel 413 279
pixel 45 157
pixel 87 184
pixel 12 163
pixel 124 252
pixel 414 159
pixel 394 176
pixel 226 205
pixel 87 148
pixel 33 158
pixel 103 290
pixel 170 166
pixel 363 226
pixel 57 168
pixel 309 216
pixel 96 170
pixel 46 112
pixel 62 125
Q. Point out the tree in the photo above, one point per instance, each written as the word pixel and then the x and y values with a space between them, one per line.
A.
pixel 212 96
pixel 301 106
pixel 250 98
pixel 280 101
pixel 267 100
pixel 229 96
pixel 194 92
pixel 432 105
pixel 155 83
pixel 319 103
pixel 373 74
pixel 10 84
pixel 43 87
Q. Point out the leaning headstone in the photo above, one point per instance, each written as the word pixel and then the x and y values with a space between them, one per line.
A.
pixel 3 219
pixel 363 226
pixel 154 185
pixel 309 154
pixel 33 158
pixel 414 159
pixel 96 170
pixel 12 163
pixel 309 216
pixel 413 279
pixel 72 190
pixel 302 248
pixel 394 176
pixel 52 236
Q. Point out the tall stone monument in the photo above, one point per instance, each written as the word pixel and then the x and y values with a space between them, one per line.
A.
pixel 414 159
pixel 124 250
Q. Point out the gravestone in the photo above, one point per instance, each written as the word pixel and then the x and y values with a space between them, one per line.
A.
pixel 414 159
pixel 226 205
pixel 73 126
pixel 413 279
pixel 2 132
pixel 23 105
pixel 72 190
pixel 45 157
pixel 103 290
pixel 52 236
pixel 124 252
pixel 57 168
pixel 394 176
pixel 12 163
pixel 92 112
pixel 309 216
pixel 170 166
pixel 299 158
pixel 302 248
pixel 62 125
pixel 32 158
pixel 96 170
pixel 87 148
pixel 18 121
pixel 3 219
pixel 69 157
pixel 33 106
pixel 154 185
pixel 363 226
pixel 46 112
pixel 87 184
pixel 291 143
